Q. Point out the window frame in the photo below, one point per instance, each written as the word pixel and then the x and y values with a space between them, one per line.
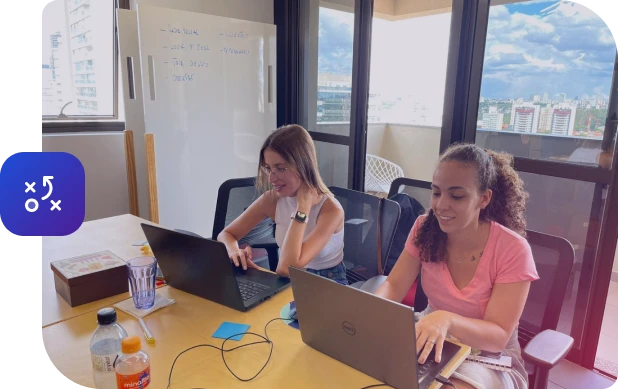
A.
pixel 71 124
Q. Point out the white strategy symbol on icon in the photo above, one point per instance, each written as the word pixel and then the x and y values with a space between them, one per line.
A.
pixel 32 204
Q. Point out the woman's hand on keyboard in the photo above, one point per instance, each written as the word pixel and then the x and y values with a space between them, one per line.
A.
pixel 431 330
pixel 242 257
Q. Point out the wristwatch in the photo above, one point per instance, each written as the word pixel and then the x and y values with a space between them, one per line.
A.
pixel 300 217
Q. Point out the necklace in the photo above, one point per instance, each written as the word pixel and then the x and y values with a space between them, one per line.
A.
pixel 474 258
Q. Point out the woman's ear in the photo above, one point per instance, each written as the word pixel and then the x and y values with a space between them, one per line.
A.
pixel 486 198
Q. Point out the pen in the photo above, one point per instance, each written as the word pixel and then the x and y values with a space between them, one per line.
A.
pixel 149 338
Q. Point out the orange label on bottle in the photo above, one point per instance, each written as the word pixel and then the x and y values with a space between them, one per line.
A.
pixel 134 381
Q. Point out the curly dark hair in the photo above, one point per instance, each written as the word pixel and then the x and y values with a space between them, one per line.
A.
pixel 507 205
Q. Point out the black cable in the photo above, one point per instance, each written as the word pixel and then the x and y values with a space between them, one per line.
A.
pixel 268 341
pixel 224 350
pixel 445 381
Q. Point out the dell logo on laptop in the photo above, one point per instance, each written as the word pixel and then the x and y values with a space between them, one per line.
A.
pixel 348 328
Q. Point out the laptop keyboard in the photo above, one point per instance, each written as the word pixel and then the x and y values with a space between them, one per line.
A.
pixel 424 369
pixel 249 289
pixel 428 371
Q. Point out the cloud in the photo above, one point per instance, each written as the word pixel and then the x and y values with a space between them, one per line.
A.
pixel 336 40
pixel 505 61
pixel 557 47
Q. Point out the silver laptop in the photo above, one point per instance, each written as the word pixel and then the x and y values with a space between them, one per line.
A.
pixel 366 332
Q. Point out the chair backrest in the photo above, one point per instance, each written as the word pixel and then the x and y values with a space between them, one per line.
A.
pixel 360 252
pixel 417 189
pixel 234 197
pixel 553 257
pixel 411 209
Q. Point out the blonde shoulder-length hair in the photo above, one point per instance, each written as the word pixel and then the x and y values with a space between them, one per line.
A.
pixel 294 144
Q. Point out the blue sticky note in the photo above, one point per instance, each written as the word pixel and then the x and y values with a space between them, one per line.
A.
pixel 227 329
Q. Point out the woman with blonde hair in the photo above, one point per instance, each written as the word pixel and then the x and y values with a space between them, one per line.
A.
pixel 309 220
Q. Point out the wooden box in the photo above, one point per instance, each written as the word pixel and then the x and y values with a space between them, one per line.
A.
pixel 81 280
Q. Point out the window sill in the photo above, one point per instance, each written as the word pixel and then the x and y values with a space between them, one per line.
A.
pixel 76 126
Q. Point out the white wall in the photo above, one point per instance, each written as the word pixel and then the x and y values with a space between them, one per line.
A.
pixel 103 154
pixel 414 148
pixel 375 136
pixel 104 163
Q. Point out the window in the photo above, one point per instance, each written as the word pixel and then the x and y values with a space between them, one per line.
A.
pixel 408 77
pixel 409 56
pixel 335 47
pixel 78 59
pixel 546 82
pixel 545 95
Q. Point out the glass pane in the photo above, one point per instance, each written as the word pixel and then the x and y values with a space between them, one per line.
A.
pixel 78 58
pixel 404 89
pixel 546 82
pixel 333 163
pixel 570 209
pixel 335 47
pixel 406 93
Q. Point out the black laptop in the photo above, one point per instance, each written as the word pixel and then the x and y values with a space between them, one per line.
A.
pixel 200 266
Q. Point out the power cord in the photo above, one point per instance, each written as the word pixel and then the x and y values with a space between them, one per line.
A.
pixel 223 350
pixel 445 381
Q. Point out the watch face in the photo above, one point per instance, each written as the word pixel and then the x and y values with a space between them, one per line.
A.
pixel 301 215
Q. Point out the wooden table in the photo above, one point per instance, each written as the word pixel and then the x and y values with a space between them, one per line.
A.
pixel 189 322
pixel 116 234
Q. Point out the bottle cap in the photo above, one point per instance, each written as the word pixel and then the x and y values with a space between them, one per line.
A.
pixel 106 316
pixel 131 345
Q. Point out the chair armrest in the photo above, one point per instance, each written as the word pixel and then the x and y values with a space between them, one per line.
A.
pixel 547 348
pixel 357 284
pixel 265 243
pixel 372 284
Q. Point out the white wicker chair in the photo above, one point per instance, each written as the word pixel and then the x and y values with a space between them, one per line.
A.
pixel 380 173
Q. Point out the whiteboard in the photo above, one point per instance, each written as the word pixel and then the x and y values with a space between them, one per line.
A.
pixel 209 99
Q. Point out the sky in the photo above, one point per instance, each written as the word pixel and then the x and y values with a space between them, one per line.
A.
pixel 532 47
pixel 547 46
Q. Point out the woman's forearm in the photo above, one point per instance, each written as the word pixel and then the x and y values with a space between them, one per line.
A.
pixel 292 245
pixel 477 333
pixel 390 292
pixel 229 240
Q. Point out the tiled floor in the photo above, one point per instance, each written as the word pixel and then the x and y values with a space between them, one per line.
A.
pixel 607 350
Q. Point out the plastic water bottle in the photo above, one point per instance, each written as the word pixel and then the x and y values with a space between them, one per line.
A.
pixel 105 346
pixel 133 365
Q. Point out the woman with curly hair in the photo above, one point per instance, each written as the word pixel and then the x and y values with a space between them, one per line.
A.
pixel 476 264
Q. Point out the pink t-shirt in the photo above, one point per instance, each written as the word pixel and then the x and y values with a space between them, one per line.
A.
pixel 506 258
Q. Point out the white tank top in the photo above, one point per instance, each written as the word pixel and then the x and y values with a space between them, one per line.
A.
pixel 331 255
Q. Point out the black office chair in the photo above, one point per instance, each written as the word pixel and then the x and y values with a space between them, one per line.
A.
pixel 417 189
pixel 234 198
pixel 360 252
pixel 542 346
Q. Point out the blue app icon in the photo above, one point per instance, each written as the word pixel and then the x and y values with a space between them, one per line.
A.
pixel 42 194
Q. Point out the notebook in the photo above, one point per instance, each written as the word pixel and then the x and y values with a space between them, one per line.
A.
pixel 495 361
